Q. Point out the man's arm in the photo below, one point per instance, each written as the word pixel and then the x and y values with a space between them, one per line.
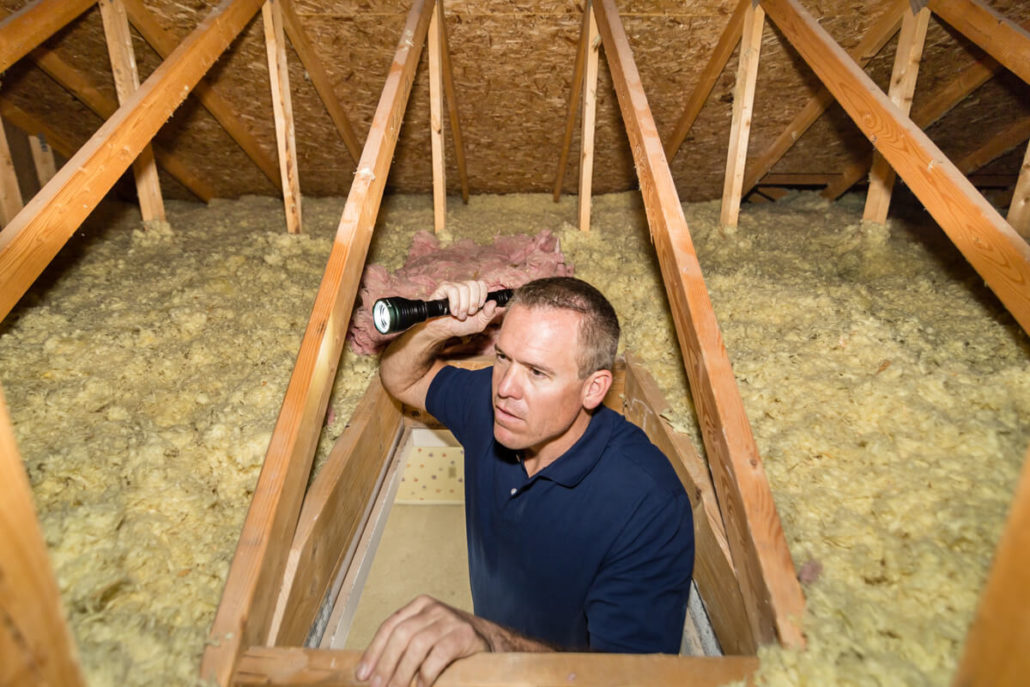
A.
pixel 425 637
pixel 410 363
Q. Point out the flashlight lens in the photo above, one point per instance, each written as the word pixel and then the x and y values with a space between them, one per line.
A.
pixel 381 316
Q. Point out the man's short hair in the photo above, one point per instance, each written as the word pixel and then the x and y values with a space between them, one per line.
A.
pixel 598 328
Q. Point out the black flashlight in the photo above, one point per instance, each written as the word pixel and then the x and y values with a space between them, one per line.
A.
pixel 397 314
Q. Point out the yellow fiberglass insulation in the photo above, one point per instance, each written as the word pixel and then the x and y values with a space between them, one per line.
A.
pixel 888 391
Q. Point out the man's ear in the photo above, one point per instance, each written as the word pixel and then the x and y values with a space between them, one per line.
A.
pixel 595 388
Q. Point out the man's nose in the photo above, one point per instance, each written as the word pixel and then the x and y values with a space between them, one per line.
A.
pixel 510 386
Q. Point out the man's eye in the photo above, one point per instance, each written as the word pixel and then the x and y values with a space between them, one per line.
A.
pixel 537 373
pixel 501 356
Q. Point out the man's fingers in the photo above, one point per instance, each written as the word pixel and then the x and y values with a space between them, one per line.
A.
pixel 373 654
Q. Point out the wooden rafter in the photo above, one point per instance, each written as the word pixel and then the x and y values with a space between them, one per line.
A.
pixel 589 117
pixel 35 126
pixel 126 81
pixel 82 87
pixel 282 109
pixel 570 118
pixel 990 245
pixel 995 650
pixel 245 613
pixel 319 78
pixel 743 106
pixel 871 44
pixel 771 591
pixel 728 41
pixel 937 104
pixel 35 643
pixel 25 29
pixel 39 231
pixel 999 36
pixel 901 89
pixel 209 95
pixel 994 147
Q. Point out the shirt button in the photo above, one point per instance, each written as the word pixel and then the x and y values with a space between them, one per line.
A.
pixel 513 491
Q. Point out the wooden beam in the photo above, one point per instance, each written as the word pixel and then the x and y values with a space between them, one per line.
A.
pixel 80 85
pixel 1019 208
pixel 743 107
pixel 995 650
pixel 34 23
pixel 991 246
pixel 295 667
pixel 451 96
pixel 126 81
pixel 709 75
pixel 589 119
pixel 882 31
pixel 35 236
pixel 999 36
pixel 644 405
pixel 332 512
pixel 574 104
pixel 245 612
pixel 42 158
pixel 994 147
pixel 436 135
pixel 209 95
pixel 939 103
pixel 10 193
pixel 35 126
pixel 901 89
pixel 772 594
pixel 282 108
pixel 35 643
pixel 319 78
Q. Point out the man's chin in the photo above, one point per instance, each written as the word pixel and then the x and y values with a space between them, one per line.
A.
pixel 507 438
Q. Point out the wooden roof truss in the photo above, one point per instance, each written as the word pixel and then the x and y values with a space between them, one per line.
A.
pixel 252 616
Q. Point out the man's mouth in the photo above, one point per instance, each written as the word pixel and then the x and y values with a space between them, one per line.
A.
pixel 500 414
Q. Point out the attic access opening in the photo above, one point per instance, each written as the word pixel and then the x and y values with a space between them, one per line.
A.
pixel 346 509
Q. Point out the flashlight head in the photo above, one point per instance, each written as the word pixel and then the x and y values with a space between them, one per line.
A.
pixel 382 316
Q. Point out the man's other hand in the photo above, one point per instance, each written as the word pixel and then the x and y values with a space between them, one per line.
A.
pixel 420 640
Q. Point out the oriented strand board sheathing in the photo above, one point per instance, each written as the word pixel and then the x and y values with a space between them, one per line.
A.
pixel 512 61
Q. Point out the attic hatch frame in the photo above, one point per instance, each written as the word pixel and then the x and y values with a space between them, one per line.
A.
pixel 222 25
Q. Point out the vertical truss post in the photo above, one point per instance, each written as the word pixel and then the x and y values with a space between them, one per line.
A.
pixel 126 81
pixel 10 193
pixel 436 133
pixel 1019 208
pixel 282 107
pixel 743 107
pixel 902 87
pixel 586 153
pixel 570 118
pixel 43 158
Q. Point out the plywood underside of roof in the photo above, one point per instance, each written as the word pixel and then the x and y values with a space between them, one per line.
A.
pixel 513 64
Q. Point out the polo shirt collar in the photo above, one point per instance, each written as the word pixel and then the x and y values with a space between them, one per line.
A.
pixel 572 466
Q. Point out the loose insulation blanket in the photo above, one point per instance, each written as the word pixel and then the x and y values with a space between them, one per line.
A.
pixel 507 263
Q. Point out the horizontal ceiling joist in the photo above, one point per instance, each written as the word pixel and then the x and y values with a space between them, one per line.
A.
pixel 983 236
pixel 43 226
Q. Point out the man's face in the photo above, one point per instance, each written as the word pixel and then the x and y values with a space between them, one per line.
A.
pixel 537 391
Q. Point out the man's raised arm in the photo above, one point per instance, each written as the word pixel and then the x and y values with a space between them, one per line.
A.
pixel 410 363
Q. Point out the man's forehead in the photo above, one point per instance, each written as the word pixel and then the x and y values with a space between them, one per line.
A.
pixel 539 332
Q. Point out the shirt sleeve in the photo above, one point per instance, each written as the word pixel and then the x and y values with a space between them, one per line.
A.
pixel 638 601
pixel 459 398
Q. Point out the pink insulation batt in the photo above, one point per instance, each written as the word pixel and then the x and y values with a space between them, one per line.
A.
pixel 509 262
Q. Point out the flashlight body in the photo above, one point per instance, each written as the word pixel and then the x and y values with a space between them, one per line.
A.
pixel 396 314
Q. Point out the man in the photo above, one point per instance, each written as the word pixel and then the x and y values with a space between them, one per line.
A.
pixel 580 535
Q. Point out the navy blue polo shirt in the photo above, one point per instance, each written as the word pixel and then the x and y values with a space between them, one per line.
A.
pixel 595 551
